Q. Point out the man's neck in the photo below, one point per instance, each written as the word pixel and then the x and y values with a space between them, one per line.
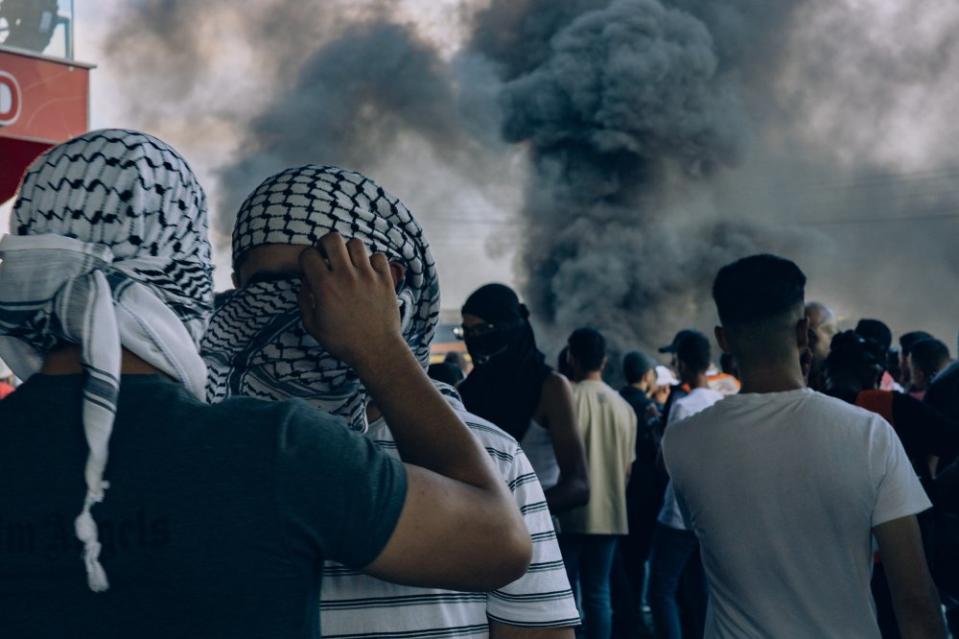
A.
pixel 699 381
pixel 67 361
pixel 772 378
pixel 592 376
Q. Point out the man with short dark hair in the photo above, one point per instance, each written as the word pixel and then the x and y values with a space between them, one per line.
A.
pixel 675 551
pixel 589 533
pixel 786 488
pixel 927 358
pixel 906 342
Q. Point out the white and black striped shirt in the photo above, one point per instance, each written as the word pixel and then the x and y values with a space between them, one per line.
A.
pixel 354 605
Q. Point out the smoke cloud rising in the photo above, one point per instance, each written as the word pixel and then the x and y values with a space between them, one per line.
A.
pixel 624 149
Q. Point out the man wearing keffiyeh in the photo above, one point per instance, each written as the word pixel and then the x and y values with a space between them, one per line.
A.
pixel 109 454
pixel 256 345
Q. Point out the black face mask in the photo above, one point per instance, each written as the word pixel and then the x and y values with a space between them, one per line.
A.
pixel 489 342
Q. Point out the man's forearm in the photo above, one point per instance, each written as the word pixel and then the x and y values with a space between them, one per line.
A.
pixel 427 431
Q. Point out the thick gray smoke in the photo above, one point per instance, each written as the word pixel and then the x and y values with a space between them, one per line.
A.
pixel 351 101
pixel 654 140
pixel 621 103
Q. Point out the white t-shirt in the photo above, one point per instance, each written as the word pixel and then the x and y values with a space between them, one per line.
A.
pixel 355 605
pixel 699 399
pixel 783 491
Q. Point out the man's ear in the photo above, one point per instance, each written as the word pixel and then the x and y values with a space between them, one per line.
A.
pixel 802 333
pixel 720 333
pixel 398 271
pixel 605 362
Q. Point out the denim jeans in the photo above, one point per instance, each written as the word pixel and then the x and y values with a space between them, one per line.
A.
pixel 589 563
pixel 674 558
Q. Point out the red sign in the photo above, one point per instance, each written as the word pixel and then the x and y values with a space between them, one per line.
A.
pixel 43 101
pixel 9 99
pixel 46 100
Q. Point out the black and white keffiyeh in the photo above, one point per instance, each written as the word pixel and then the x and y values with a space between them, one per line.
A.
pixel 108 250
pixel 256 344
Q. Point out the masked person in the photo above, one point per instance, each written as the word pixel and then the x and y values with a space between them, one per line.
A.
pixel 512 386
pixel 257 345
pixel 193 520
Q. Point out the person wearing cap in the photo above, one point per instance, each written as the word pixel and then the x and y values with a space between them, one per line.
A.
pixel 717 379
pixel 644 493
pixel 674 554
pixel 786 489
pixel 140 510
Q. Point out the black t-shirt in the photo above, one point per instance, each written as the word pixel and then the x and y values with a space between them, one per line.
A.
pixel 922 429
pixel 646 440
pixel 216 522
pixel 943 392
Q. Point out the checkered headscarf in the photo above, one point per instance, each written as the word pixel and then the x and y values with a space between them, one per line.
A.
pixel 108 250
pixel 256 344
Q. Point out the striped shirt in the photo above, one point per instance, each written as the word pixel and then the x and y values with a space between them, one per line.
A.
pixel 354 605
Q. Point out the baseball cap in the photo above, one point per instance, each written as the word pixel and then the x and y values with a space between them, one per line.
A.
pixel 680 336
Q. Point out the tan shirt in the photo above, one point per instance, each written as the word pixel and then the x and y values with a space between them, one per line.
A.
pixel 608 427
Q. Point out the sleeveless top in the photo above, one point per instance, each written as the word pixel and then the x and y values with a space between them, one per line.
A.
pixel 537 443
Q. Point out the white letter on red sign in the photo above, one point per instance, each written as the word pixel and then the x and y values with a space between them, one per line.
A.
pixel 9 99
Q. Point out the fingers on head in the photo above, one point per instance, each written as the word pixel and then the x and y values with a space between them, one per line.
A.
pixel 359 256
pixel 334 247
pixel 380 264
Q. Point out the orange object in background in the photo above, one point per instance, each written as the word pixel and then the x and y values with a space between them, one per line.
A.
pixel 43 101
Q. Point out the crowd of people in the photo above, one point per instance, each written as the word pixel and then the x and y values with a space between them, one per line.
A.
pixel 274 460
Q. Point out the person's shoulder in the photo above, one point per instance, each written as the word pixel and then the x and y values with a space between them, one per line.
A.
pixel 555 383
pixel 275 415
pixel 487 432
pixel 838 409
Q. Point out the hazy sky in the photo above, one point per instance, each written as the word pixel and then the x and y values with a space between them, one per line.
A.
pixel 885 94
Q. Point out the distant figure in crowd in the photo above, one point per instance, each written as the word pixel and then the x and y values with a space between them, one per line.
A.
pixel 449 374
pixel 822 327
pixel 6 380
pixel 644 493
pixel 786 488
pixel 906 342
pixel 853 369
pixel 589 534
pixel 256 346
pixel 674 555
pixel 205 521
pixel 927 358
pixel 877 332
pixel 512 386
pixel 459 361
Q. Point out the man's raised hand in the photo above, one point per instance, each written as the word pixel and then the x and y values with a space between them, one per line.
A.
pixel 348 301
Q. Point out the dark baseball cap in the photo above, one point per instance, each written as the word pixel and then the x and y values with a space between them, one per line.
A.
pixel 680 336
